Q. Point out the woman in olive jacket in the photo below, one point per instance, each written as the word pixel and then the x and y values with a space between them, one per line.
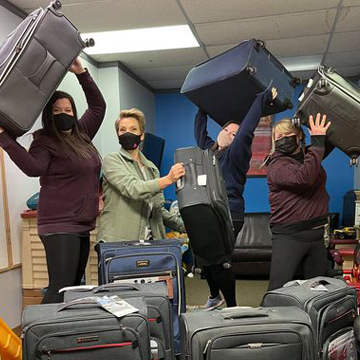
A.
pixel 133 197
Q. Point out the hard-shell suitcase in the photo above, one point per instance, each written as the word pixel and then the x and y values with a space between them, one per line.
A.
pixel 158 309
pixel 203 205
pixel 146 261
pixel 226 85
pixel 279 333
pixel 74 330
pixel 34 58
pixel 329 93
pixel 330 303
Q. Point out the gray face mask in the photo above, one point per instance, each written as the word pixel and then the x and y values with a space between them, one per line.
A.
pixel 287 145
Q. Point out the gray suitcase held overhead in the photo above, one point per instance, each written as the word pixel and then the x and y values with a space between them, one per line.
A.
pixel 282 333
pixel 159 312
pixel 74 331
pixel 330 303
pixel 34 58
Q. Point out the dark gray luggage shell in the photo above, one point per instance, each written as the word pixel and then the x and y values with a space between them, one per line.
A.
pixel 73 331
pixel 34 58
pixel 330 310
pixel 158 308
pixel 247 333
pixel 327 92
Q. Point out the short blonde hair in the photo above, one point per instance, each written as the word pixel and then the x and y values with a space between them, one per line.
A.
pixel 133 113
pixel 285 126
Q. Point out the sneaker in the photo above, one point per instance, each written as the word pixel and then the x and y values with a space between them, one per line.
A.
pixel 212 304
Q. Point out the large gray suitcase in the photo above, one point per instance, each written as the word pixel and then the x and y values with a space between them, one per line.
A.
pixel 327 92
pixel 34 58
pixel 158 309
pixel 74 331
pixel 204 206
pixel 247 333
pixel 330 303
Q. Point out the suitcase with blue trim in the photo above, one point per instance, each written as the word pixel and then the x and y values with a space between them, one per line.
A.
pixel 158 309
pixel 225 86
pixel 330 303
pixel 146 261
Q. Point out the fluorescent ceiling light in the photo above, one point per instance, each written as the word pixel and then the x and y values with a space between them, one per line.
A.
pixel 156 38
pixel 301 63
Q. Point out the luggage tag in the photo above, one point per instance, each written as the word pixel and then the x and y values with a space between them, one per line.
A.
pixel 116 305
pixel 201 180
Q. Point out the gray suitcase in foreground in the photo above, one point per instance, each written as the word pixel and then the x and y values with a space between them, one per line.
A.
pixel 158 309
pixel 330 303
pixel 84 331
pixel 34 58
pixel 247 333
pixel 327 92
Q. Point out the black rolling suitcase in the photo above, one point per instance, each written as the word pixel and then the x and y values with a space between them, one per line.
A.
pixel 74 330
pixel 158 309
pixel 330 303
pixel 226 85
pixel 245 333
pixel 203 205
pixel 34 58
pixel 329 93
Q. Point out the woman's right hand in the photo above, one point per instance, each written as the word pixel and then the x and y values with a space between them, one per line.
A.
pixel 176 172
pixel 318 127
pixel 1 130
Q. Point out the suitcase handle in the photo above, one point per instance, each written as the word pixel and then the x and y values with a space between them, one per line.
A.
pixel 109 287
pixel 241 313
pixel 79 302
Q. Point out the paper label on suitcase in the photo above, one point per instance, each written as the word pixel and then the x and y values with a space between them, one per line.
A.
pixel 343 347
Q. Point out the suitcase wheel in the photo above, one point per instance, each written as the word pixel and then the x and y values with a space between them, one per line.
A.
pixel 260 44
pixel 251 70
pixel 354 161
pixel 89 42
pixel 56 5
pixel 295 81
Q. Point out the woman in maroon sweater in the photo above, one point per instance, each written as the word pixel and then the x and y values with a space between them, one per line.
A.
pixel 299 203
pixel 68 164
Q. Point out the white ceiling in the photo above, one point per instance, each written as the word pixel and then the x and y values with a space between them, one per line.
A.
pixel 291 28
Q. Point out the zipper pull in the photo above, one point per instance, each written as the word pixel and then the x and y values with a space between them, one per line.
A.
pixel 122 327
pixel 214 160
pixel 206 347
pixel 49 354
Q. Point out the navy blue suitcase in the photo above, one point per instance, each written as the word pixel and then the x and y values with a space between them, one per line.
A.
pixel 226 85
pixel 146 261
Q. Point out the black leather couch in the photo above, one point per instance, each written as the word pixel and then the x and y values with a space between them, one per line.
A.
pixel 253 248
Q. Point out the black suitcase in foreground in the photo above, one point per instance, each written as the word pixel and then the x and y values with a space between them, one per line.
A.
pixel 330 303
pixel 203 205
pixel 280 333
pixel 158 309
pixel 34 58
pixel 226 85
pixel 329 93
pixel 74 331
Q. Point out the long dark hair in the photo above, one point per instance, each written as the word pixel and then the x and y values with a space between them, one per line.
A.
pixel 74 144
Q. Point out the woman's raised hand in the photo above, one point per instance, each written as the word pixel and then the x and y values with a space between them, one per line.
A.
pixel 318 127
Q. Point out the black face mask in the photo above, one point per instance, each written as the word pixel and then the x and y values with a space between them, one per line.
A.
pixel 64 122
pixel 287 145
pixel 129 141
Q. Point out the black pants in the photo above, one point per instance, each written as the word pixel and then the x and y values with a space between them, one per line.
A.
pixel 222 278
pixel 66 256
pixel 289 254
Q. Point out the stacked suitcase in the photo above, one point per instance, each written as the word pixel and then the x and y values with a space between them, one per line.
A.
pixel 34 58
pixel 203 205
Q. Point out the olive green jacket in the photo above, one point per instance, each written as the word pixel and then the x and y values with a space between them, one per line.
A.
pixel 125 196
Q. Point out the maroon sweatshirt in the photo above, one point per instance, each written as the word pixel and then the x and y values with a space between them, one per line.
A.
pixel 297 191
pixel 69 190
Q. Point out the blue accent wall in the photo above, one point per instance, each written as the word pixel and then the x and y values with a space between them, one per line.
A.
pixel 174 119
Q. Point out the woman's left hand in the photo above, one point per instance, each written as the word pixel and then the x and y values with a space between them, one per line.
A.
pixel 273 94
pixel 77 67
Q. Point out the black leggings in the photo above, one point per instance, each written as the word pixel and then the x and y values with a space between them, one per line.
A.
pixel 289 254
pixel 66 256
pixel 221 278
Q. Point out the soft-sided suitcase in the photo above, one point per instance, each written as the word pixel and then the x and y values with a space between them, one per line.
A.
pixel 329 93
pixel 158 309
pixel 74 330
pixel 203 205
pixel 34 58
pixel 146 261
pixel 247 333
pixel 226 85
pixel 330 303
